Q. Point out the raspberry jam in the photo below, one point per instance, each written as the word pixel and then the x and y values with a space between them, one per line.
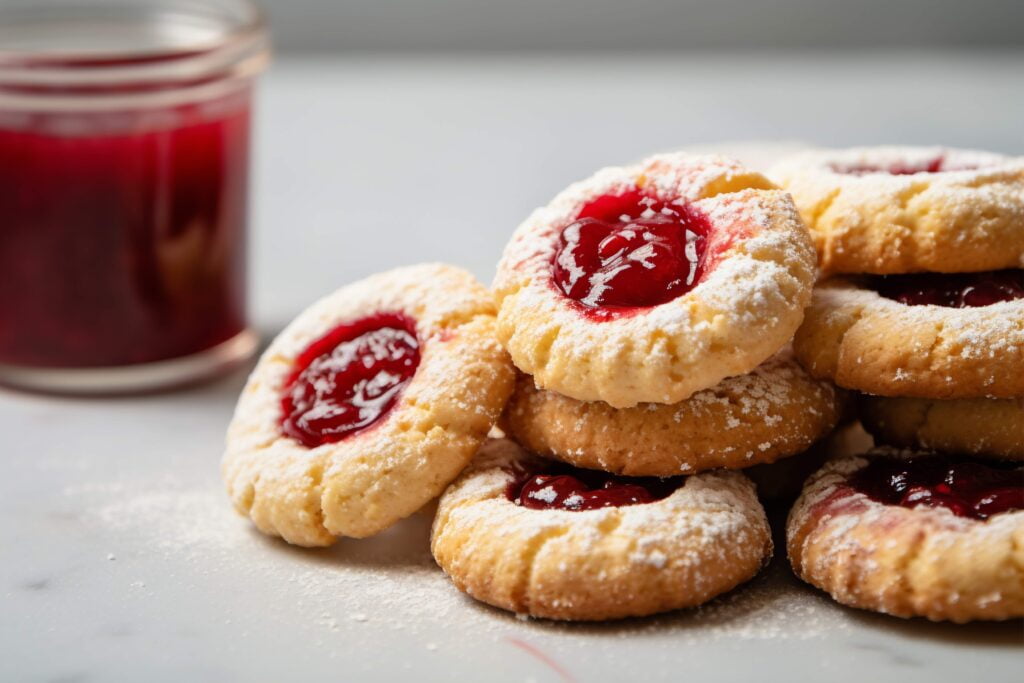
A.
pixel 123 245
pixel 628 252
pixel 349 379
pixel 124 169
pixel 965 487
pixel 933 165
pixel 960 290
pixel 938 164
pixel 562 487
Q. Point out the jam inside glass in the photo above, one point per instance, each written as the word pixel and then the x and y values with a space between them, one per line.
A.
pixel 348 379
pixel 124 170
pixel 628 252
pixel 123 243
pixel 966 487
pixel 955 290
pixel 557 486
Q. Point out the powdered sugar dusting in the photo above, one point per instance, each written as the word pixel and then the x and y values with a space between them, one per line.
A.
pixel 893 554
pixel 389 587
pixel 961 211
pixel 758 275
pixel 963 344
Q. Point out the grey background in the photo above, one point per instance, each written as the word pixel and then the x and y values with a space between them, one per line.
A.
pixel 626 25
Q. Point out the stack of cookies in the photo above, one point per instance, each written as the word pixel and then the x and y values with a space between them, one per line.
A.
pixel 922 312
pixel 648 311
pixel 638 351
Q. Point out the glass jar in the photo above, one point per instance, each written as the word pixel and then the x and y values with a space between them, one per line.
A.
pixel 124 166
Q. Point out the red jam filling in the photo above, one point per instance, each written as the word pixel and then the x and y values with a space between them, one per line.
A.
pixel 628 252
pixel 122 239
pixel 934 165
pixel 562 487
pixel 349 378
pixel 965 487
pixel 959 290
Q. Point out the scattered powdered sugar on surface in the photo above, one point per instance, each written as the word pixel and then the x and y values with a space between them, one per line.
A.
pixel 389 584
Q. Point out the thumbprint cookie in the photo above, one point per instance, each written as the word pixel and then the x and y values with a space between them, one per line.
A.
pixel 548 540
pixel 888 210
pixel 367 405
pixel 984 427
pixel 646 283
pixel 775 411
pixel 950 336
pixel 914 534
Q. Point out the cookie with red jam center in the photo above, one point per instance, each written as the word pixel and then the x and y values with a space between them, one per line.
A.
pixel 893 210
pixel 913 534
pixel 367 405
pixel 642 283
pixel 928 336
pixel 557 542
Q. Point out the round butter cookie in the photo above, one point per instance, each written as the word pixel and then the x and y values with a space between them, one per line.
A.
pixel 644 283
pixel 914 534
pixel 887 210
pixel 775 411
pixel 984 427
pixel 921 336
pixel 367 405
pixel 552 541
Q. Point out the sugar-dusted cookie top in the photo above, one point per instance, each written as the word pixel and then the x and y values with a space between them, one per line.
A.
pixel 648 283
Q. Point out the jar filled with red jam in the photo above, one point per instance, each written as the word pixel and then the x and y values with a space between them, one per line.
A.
pixel 124 172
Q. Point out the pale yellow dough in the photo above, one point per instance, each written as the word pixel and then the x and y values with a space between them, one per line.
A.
pixel 986 427
pixel 904 561
pixel 704 539
pixel 861 340
pixel 775 411
pixel 366 482
pixel 963 220
pixel 744 308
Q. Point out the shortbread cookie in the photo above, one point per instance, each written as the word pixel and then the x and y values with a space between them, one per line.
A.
pixel 644 283
pixel 914 535
pixel 859 333
pixel 887 210
pixel 984 427
pixel 773 412
pixel 367 405
pixel 551 541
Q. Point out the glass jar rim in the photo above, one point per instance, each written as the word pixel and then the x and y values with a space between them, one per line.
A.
pixel 240 49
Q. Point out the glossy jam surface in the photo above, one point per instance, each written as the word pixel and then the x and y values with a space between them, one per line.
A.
pixel 562 487
pixel 123 234
pixel 349 379
pixel 629 252
pixel 959 290
pixel 965 487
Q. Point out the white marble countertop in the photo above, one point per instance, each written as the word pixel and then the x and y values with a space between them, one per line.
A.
pixel 122 559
